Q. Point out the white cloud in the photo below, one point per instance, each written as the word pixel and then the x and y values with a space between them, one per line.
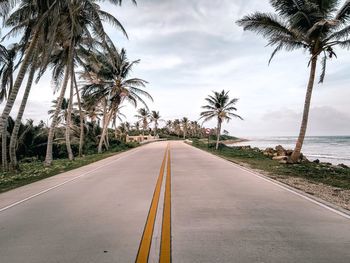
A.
pixel 189 48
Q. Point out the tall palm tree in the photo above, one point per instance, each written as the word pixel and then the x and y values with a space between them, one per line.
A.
pixel 7 68
pixel 155 118
pixel 137 127
pixel 18 121
pixel 143 116
pixel 169 126
pixel 313 25
pixel 221 107
pixel 79 22
pixel 177 127
pixel 109 81
pixel 34 18
pixel 185 123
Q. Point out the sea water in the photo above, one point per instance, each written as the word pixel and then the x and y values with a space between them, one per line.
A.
pixel 333 149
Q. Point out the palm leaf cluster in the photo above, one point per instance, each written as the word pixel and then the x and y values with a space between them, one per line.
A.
pixel 316 26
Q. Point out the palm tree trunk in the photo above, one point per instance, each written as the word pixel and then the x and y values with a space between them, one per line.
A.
pixel 69 120
pixel 218 134
pixel 4 148
pixel 115 126
pixel 14 135
pixel 104 131
pixel 48 158
pixel 299 144
pixel 81 137
pixel 20 76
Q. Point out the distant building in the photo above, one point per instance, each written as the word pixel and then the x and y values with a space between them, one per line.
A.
pixel 141 138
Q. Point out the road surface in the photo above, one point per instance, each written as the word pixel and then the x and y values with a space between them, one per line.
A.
pixel 166 203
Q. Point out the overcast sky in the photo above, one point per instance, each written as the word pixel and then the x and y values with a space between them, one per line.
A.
pixel 189 48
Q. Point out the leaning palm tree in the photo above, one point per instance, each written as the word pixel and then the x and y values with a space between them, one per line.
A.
pixel 34 18
pixel 221 107
pixel 313 25
pixel 7 68
pixel 109 81
pixel 80 23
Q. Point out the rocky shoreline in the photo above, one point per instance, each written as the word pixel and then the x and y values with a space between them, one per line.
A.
pixel 283 155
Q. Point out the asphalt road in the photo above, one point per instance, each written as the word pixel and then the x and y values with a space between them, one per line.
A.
pixel 214 211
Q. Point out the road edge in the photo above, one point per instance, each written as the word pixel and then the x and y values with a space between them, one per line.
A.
pixel 316 200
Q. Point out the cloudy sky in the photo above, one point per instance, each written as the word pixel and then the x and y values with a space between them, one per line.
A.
pixel 188 48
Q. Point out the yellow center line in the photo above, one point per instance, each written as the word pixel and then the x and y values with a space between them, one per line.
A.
pixel 146 241
pixel 165 245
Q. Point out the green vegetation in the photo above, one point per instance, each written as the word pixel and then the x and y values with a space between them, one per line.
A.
pixel 317 173
pixel 35 171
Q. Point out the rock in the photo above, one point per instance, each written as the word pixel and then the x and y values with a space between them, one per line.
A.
pixel 343 166
pixel 305 160
pixel 280 158
pixel 317 161
pixel 280 150
pixel 289 152
pixel 269 152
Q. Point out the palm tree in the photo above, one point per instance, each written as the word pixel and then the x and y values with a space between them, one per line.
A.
pixel 143 116
pixel 34 18
pixel 185 124
pixel 109 81
pixel 18 121
pixel 169 126
pixel 315 26
pixel 221 107
pixel 177 127
pixel 137 127
pixel 79 21
pixel 7 67
pixel 155 117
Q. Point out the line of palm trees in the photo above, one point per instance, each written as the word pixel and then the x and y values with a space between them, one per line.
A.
pixel 68 39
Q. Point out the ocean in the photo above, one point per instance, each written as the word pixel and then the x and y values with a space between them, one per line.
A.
pixel 332 149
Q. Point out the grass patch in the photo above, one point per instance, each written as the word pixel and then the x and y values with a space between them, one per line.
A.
pixel 35 171
pixel 316 173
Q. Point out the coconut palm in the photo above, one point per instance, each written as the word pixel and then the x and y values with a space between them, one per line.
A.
pixel 185 125
pixel 79 21
pixel 38 27
pixel 155 118
pixel 313 25
pixel 109 81
pixel 7 67
pixel 143 117
pixel 169 126
pixel 15 132
pixel 177 127
pixel 221 107
pixel 137 127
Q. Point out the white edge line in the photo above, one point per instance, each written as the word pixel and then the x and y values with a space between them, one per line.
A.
pixel 279 185
pixel 65 182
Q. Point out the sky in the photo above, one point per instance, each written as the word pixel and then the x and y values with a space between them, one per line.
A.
pixel 189 48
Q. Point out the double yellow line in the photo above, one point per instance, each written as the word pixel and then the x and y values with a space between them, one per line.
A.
pixel 146 241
